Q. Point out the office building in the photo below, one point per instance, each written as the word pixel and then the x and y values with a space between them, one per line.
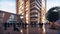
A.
pixel 30 10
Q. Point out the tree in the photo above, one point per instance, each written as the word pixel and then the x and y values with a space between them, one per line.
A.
pixel 53 15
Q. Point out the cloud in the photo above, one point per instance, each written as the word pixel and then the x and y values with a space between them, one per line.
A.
pixel 52 3
pixel 9 6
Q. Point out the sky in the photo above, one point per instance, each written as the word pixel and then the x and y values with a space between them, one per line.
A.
pixel 8 5
pixel 52 3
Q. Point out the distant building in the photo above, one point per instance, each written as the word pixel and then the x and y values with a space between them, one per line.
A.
pixel 6 17
pixel 30 10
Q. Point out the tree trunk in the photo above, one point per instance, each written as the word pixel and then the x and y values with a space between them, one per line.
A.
pixel 52 25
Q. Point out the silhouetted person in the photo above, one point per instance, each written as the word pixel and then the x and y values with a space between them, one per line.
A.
pixel 5 26
pixel 41 24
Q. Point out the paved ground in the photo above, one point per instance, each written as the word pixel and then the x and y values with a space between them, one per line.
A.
pixel 52 31
pixel 29 29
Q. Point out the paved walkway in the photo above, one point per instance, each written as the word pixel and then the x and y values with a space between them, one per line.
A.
pixel 30 29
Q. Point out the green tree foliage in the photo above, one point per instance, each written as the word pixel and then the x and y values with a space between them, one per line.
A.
pixel 52 14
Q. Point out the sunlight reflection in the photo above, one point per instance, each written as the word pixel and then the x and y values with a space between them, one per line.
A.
pixel 27 30
pixel 21 31
pixel 44 29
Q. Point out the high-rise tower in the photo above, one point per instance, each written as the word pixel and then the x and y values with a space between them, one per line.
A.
pixel 23 8
pixel 35 11
pixel 30 10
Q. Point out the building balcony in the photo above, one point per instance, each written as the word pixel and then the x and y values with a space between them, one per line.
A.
pixel 34 15
pixel 33 20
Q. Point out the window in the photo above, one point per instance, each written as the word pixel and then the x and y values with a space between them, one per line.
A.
pixel 1 15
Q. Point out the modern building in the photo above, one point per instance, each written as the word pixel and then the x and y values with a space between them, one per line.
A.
pixel 30 10
pixel 7 21
pixel 8 17
pixel 35 11
pixel 23 9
